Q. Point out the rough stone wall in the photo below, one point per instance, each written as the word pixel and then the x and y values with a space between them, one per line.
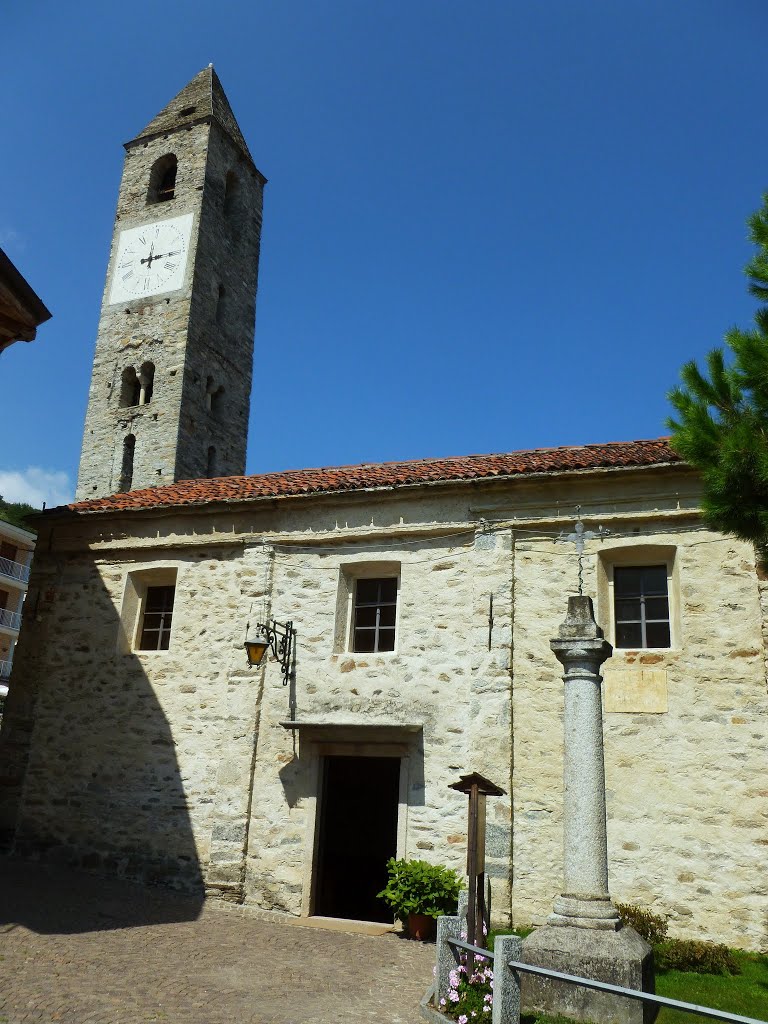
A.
pixel 119 760
pixel 441 676
pixel 222 352
pixel 139 760
pixel 686 796
pixel 177 331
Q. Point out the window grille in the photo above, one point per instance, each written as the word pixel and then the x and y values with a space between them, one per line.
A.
pixel 156 623
pixel 641 606
pixel 375 612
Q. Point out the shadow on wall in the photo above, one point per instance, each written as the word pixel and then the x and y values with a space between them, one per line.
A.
pixel 89 777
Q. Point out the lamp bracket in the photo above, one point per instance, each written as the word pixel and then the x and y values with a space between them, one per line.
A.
pixel 281 637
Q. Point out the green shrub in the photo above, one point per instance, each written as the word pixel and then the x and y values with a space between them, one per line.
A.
pixel 678 954
pixel 651 927
pixel 416 887
pixel 697 957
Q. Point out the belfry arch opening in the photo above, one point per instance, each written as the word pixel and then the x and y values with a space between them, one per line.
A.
pixel 146 382
pixel 137 388
pixel 210 467
pixel 130 387
pixel 162 179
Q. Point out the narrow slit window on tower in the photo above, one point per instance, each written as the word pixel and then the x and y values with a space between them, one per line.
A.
pixel 162 179
pixel 147 383
pixel 231 187
pixel 214 394
pixel 126 469
pixel 130 388
pixel 221 305
pixel 210 469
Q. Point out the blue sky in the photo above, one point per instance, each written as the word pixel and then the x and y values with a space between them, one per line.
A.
pixel 488 226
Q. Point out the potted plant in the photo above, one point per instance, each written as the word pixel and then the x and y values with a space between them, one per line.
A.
pixel 419 892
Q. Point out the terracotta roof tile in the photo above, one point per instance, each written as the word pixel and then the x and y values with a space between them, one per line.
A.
pixel 294 482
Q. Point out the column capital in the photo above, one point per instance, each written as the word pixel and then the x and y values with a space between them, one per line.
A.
pixel 579 636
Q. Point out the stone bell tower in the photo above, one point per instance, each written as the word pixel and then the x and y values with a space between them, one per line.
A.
pixel 172 372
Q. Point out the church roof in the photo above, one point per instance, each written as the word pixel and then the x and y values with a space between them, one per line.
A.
pixel 202 98
pixel 387 475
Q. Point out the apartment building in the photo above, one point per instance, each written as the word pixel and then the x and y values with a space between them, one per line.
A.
pixel 16 547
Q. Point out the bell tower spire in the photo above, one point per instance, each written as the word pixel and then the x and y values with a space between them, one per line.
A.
pixel 172 372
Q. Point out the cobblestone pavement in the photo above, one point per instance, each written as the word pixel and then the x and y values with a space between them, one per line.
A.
pixel 76 949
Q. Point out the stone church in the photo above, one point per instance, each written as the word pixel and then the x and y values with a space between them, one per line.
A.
pixel 423 595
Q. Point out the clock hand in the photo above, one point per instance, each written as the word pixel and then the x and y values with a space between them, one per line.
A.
pixel 149 259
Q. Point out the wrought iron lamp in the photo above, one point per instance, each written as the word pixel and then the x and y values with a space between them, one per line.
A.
pixel 277 637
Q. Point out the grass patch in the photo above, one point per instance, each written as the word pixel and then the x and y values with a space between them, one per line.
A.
pixel 745 993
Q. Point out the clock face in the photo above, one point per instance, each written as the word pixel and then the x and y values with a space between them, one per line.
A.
pixel 151 259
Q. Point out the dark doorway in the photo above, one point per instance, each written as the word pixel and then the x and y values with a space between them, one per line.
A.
pixel 358 834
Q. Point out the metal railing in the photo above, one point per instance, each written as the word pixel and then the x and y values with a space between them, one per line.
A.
pixel 5 669
pixel 15 570
pixel 11 620
pixel 506 984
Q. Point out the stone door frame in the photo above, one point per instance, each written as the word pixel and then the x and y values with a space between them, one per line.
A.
pixel 318 748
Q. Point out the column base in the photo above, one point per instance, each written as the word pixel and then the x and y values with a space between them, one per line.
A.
pixel 584 912
pixel 618 957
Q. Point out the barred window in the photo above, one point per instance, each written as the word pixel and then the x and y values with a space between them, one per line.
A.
pixel 375 612
pixel 641 606
pixel 156 622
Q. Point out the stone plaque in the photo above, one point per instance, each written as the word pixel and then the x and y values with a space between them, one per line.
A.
pixel 635 690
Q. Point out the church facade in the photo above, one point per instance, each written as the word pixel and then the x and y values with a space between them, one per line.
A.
pixel 423 595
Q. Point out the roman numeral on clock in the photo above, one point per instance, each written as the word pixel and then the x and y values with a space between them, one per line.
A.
pixel 170 266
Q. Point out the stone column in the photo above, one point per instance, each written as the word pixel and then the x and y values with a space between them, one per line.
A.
pixel 585 901
pixel 584 936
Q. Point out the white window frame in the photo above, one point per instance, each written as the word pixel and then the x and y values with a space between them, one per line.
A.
pixel 350 573
pixel 638 556
pixel 137 583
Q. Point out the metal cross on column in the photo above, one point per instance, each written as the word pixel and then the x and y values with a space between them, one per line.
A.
pixel 578 537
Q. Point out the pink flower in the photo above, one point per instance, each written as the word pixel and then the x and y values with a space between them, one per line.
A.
pixel 463 1019
pixel 453 995
pixel 442 1002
